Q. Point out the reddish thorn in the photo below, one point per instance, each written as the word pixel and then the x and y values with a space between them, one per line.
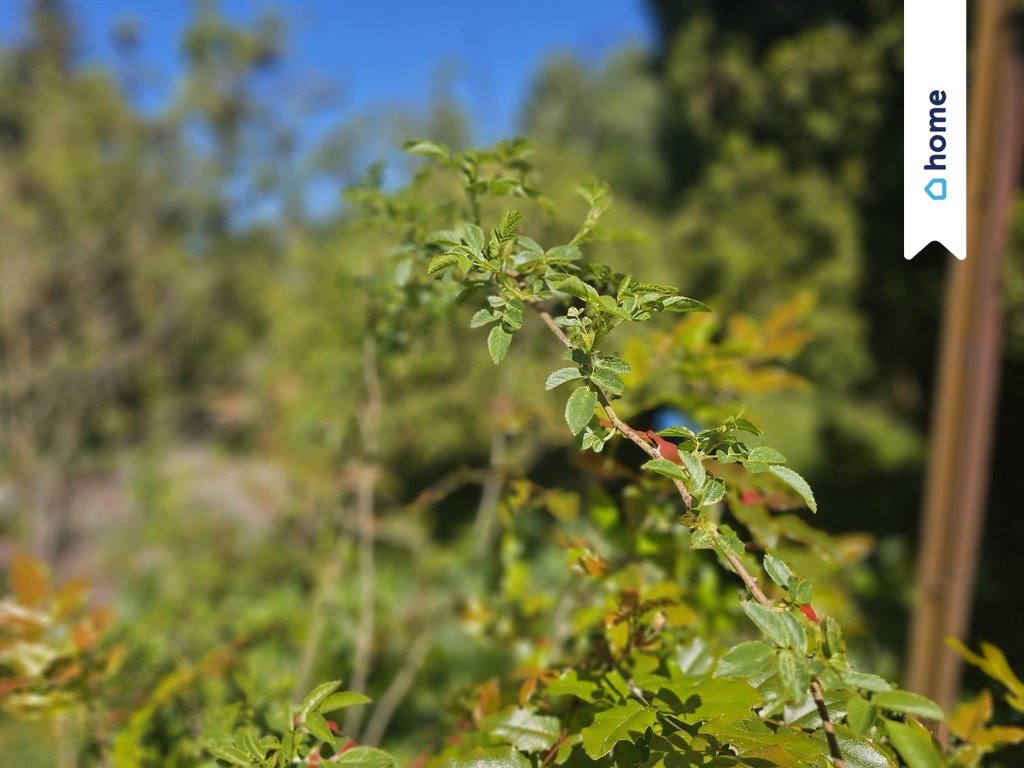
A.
pixel 807 611
pixel 750 497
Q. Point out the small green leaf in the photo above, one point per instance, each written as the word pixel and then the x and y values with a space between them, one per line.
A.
pixel 795 674
pixel 580 409
pixel 483 317
pixel 615 725
pixel 694 466
pixel 769 621
pixel 766 455
pixel 343 699
pixel 317 696
pixel 608 381
pixel 860 714
pixel 498 341
pixel 797 483
pixel 684 304
pixel 229 753
pixel 489 757
pixel 561 376
pixel 866 681
pixel 474 237
pixel 525 730
pixel 573 286
pixel 666 468
pixel 563 254
pixel 317 725
pixel 797 633
pixel 908 703
pixel 778 571
pixel 711 492
pixel 914 744
pixel 613 364
pixel 364 757
pixel 729 541
pixel 744 660
pixel 446 237
pixel 442 261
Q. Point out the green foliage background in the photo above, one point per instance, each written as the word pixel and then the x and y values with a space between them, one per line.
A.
pixel 180 391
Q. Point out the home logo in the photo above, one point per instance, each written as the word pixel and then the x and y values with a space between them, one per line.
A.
pixel 936 189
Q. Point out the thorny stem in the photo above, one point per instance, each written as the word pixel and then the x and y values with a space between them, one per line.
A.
pixel 737 565
pixel 826 724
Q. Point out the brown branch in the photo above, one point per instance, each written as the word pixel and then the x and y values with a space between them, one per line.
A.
pixel 826 723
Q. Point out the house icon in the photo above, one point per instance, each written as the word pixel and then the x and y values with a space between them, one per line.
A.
pixel 936 189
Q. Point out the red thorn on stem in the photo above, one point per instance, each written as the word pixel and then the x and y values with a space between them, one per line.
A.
pixel 807 611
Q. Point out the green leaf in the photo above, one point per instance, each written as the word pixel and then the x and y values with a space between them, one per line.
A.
pixel 442 261
pixel 777 570
pixel 489 757
pixel 860 714
pixel 700 538
pixel 797 633
pixel 866 681
pixel 561 376
pixel 666 468
pixel 744 660
pixel 580 409
pixel 229 753
pixel 914 744
pixel 766 455
pixel 426 148
pixel 445 237
pixel 569 684
pixel 613 364
pixel 525 730
pixel 795 674
pixel 711 492
pixel 694 466
pixel 615 725
pixel 573 286
pixel 729 542
pixel 364 757
pixel 858 751
pixel 483 317
pixel 797 483
pixel 498 341
pixel 908 703
pixel 684 304
pixel 343 699
pixel 563 254
pixel 608 381
pixel 769 621
pixel 529 245
pixel 317 725
pixel 317 696
pixel 474 237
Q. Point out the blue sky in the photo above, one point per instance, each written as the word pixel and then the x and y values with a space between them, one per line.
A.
pixel 385 51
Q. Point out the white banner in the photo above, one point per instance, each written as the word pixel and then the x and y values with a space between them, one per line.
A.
pixel 935 125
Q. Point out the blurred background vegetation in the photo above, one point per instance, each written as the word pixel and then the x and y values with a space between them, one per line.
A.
pixel 181 333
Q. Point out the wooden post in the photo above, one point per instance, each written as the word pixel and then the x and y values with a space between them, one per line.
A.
pixel 953 515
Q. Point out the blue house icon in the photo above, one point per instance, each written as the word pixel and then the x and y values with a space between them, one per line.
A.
pixel 936 189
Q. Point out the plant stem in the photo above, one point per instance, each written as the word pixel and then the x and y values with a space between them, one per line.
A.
pixel 826 723
pixel 369 428
pixel 395 692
